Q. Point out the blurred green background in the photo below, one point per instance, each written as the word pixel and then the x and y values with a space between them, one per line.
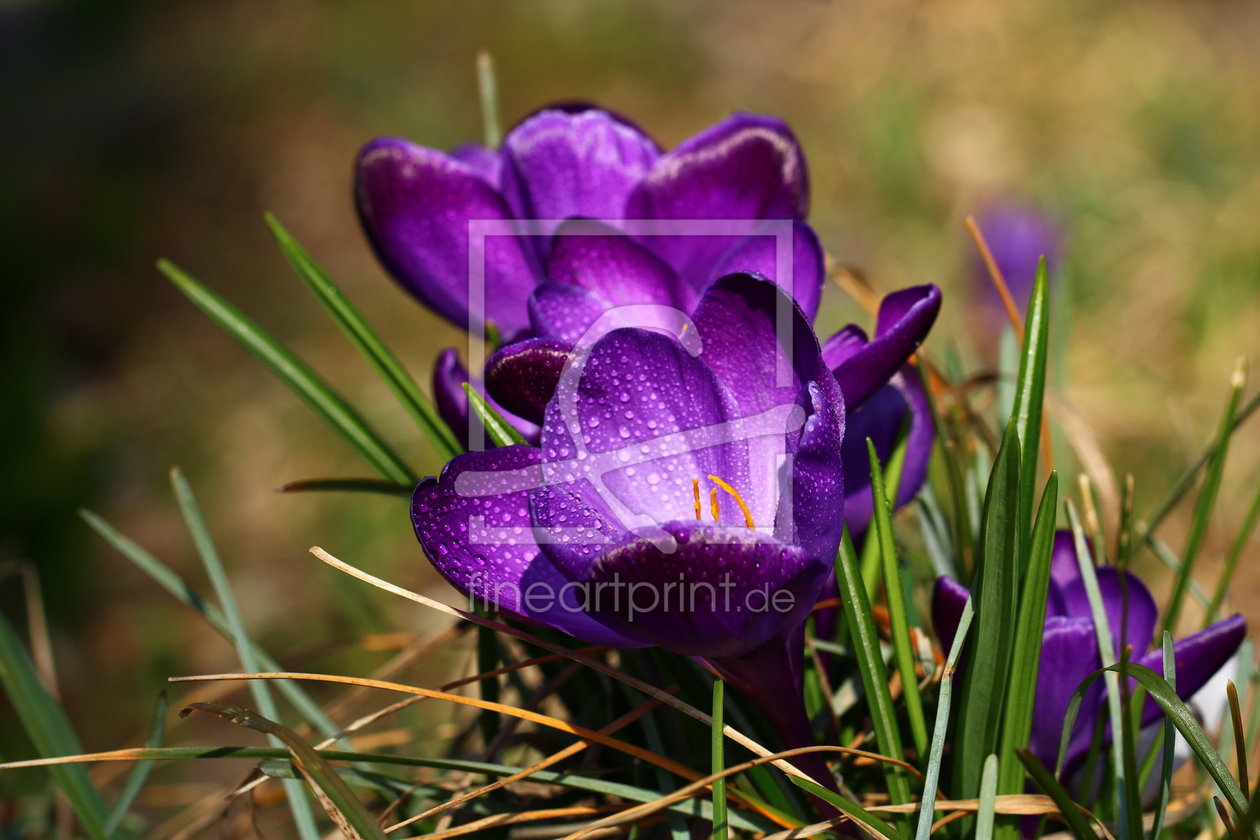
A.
pixel 137 130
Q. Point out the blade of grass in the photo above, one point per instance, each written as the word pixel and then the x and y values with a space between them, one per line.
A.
pixel 1129 821
pixel 717 749
pixel 340 803
pixel 996 597
pixel 1207 499
pixel 944 698
pixel 1169 745
pixel 988 798
pixel 1231 562
pixel 368 342
pixel 488 94
pixel 196 524
pixel 870 662
pixel 1240 736
pixel 46 725
pixel 138 776
pixel 1021 692
pixel 296 374
pixel 903 649
pixel 348 485
pixel 499 430
pixel 185 593
pixel 1030 389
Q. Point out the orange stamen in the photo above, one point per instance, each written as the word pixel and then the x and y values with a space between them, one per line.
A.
pixel 748 519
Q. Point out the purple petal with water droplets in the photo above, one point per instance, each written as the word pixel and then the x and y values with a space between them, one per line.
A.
pixel 561 164
pixel 759 254
pixel 415 205
pixel 474 526
pixel 522 377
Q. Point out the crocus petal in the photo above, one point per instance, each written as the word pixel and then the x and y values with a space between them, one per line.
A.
pixel 522 377
pixel 612 265
pixel 449 376
pixel 744 168
pixel 565 163
pixel 880 418
pixel 768 368
pixel 564 312
pixel 722 593
pixel 639 421
pixel 845 343
pixel 948 600
pixel 473 523
pixel 415 205
pixel 1069 654
pixel 759 254
pixel 904 319
pixel 1198 657
pixel 1064 567
pixel 1128 604
pixel 485 162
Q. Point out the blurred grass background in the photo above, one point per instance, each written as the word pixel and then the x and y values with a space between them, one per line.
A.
pixel 143 129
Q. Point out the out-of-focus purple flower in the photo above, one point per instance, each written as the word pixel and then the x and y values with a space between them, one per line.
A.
pixel 1069 651
pixel 1019 235
pixel 582 162
pixel 687 493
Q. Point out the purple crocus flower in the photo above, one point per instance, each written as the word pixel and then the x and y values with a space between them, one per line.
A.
pixel 586 213
pixel 686 493
pixel 1019 235
pixel 1069 651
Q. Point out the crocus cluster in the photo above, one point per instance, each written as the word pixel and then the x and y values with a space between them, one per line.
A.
pixel 1070 651
pixel 693 451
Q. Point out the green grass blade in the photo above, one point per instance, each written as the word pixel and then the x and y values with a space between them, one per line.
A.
pixel 348 485
pixel 903 649
pixel 185 593
pixel 1076 821
pixel 46 725
pixel 852 809
pixel 295 373
pixel 1165 772
pixel 488 95
pixel 864 642
pixel 245 651
pixel 1021 689
pixel 1183 719
pixel 996 598
pixel 988 798
pixel 1231 562
pixel 339 801
pixel 717 764
pixel 1129 820
pixel 1207 500
pixel 499 430
pixel 137 777
pixel 932 774
pixel 1030 389
pixel 368 342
